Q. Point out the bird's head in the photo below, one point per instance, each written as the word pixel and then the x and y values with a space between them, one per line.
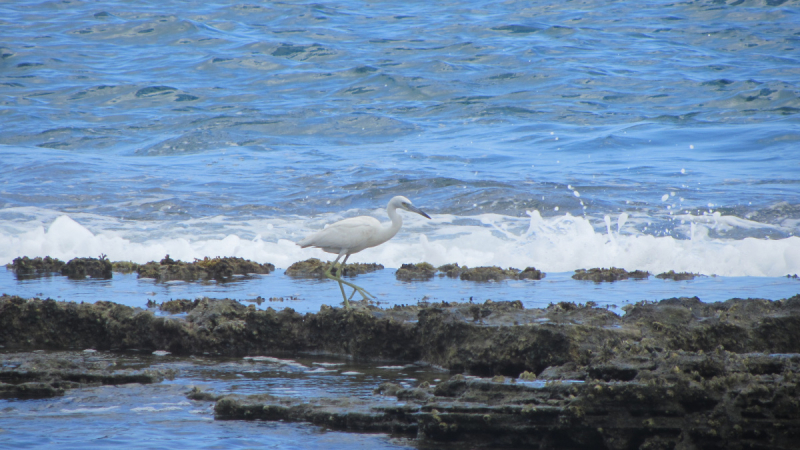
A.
pixel 404 203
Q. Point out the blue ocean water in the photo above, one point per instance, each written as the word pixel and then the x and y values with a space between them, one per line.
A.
pixel 646 135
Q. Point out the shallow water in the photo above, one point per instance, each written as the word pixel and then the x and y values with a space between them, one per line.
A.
pixel 279 291
pixel 160 415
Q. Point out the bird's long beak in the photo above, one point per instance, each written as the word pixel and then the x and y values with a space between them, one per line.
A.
pixel 413 208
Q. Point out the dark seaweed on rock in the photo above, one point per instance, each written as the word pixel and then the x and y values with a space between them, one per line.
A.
pixel 219 269
pixel 531 273
pixel 679 276
pixel 124 267
pixel 23 266
pixel 497 274
pixel 314 268
pixel 178 306
pixel 493 273
pixel 450 270
pixel 415 272
pixel 81 268
pixel 613 274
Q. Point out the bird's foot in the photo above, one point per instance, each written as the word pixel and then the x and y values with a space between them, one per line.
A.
pixel 364 294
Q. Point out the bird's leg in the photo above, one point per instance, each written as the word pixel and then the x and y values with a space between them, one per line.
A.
pixel 338 277
pixel 340 273
pixel 364 294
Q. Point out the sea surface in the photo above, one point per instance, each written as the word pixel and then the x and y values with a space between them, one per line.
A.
pixel 645 135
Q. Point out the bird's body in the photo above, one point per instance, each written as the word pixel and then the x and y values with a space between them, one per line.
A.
pixel 352 235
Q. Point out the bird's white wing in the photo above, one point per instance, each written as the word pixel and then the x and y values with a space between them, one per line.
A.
pixel 348 235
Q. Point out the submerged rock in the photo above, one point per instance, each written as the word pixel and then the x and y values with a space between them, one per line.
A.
pixel 39 375
pixel 81 268
pixel 314 268
pixel 415 272
pixel 612 274
pixel 219 269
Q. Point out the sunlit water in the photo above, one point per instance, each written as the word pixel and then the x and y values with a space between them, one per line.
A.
pixel 643 135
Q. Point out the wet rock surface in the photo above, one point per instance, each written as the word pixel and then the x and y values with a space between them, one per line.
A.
pixel 219 269
pixel 677 373
pixel 613 274
pixel 314 268
pixel 40 375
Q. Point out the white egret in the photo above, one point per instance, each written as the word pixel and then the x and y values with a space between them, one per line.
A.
pixel 352 235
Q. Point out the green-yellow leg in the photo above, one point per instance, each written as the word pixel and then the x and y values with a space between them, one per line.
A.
pixel 366 295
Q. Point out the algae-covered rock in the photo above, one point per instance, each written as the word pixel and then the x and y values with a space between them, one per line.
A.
pixel 679 276
pixel 310 268
pixel 678 372
pixel 662 406
pixel 613 274
pixel 450 270
pixel 25 267
pixel 531 273
pixel 415 272
pixel 81 268
pixel 219 269
pixel 178 306
pixel 124 267
pixel 314 268
pixel 493 273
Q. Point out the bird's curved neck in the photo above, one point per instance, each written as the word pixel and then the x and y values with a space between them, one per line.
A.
pixel 387 233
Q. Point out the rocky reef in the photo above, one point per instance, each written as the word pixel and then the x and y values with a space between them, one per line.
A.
pixel 673 374
pixel 424 271
pixel 677 276
pixel 75 269
pixel 608 275
pixel 219 269
pixel 24 266
pixel 314 268
pixel 168 269
pixel 415 272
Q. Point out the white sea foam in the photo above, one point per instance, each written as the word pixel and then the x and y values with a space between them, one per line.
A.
pixel 553 244
pixel 89 410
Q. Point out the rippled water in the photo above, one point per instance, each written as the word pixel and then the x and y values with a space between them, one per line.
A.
pixel 161 416
pixel 646 135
